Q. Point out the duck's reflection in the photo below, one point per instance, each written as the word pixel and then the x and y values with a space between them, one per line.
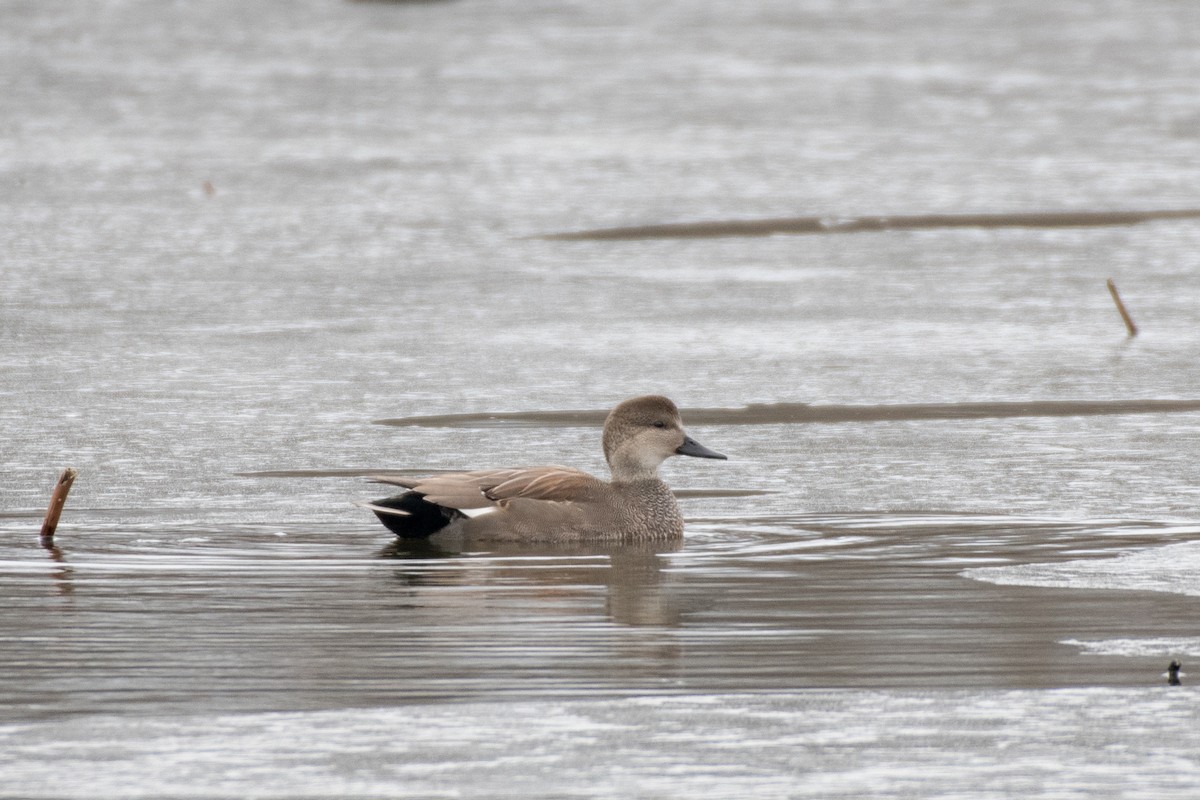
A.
pixel 633 575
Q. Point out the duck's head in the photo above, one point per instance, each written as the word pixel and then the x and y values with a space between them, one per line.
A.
pixel 643 432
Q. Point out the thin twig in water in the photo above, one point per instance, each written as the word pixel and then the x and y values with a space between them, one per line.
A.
pixel 57 501
pixel 1129 324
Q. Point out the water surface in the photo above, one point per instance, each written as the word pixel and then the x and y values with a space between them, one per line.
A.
pixel 963 517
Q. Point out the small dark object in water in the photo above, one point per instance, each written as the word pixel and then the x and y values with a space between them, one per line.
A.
pixel 1173 674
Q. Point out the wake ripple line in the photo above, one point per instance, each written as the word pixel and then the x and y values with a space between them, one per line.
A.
pixel 812 225
pixel 805 413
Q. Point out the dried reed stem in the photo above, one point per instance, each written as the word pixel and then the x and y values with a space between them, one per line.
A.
pixel 1129 324
pixel 57 500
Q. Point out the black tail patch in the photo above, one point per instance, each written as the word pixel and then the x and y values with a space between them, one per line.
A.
pixel 422 518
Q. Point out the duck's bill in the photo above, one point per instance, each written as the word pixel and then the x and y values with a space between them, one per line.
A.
pixel 691 447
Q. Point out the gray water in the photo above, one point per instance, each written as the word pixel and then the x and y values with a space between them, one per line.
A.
pixel 237 238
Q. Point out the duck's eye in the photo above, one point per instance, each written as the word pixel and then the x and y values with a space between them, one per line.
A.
pixel 660 424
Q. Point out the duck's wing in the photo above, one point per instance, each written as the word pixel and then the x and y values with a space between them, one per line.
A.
pixel 486 488
pixel 554 484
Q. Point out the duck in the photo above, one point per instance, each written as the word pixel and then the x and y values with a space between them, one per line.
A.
pixel 556 503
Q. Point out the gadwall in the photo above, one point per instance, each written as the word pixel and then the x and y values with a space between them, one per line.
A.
pixel 559 503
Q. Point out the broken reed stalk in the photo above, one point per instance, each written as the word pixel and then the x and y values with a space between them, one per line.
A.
pixel 1129 324
pixel 57 501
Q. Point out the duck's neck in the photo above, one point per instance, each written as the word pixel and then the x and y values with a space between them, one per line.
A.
pixel 632 470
